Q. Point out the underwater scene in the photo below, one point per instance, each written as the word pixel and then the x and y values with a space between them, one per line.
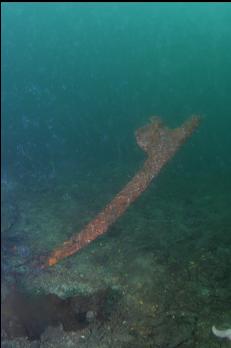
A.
pixel 116 175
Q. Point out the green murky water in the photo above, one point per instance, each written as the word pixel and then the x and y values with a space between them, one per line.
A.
pixel 77 81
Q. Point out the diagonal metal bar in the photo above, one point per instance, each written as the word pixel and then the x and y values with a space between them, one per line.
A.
pixel 160 143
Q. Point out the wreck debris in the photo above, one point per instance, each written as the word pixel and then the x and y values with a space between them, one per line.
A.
pixel 222 333
pixel 160 143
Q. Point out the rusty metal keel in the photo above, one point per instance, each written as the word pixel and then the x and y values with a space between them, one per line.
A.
pixel 160 143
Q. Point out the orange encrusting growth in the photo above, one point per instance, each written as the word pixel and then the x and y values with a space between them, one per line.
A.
pixel 160 143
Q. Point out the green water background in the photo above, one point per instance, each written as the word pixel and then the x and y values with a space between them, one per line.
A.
pixel 79 79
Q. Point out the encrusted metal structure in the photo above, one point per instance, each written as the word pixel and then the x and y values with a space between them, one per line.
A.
pixel 160 143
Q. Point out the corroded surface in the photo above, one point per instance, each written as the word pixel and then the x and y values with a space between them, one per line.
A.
pixel 160 143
